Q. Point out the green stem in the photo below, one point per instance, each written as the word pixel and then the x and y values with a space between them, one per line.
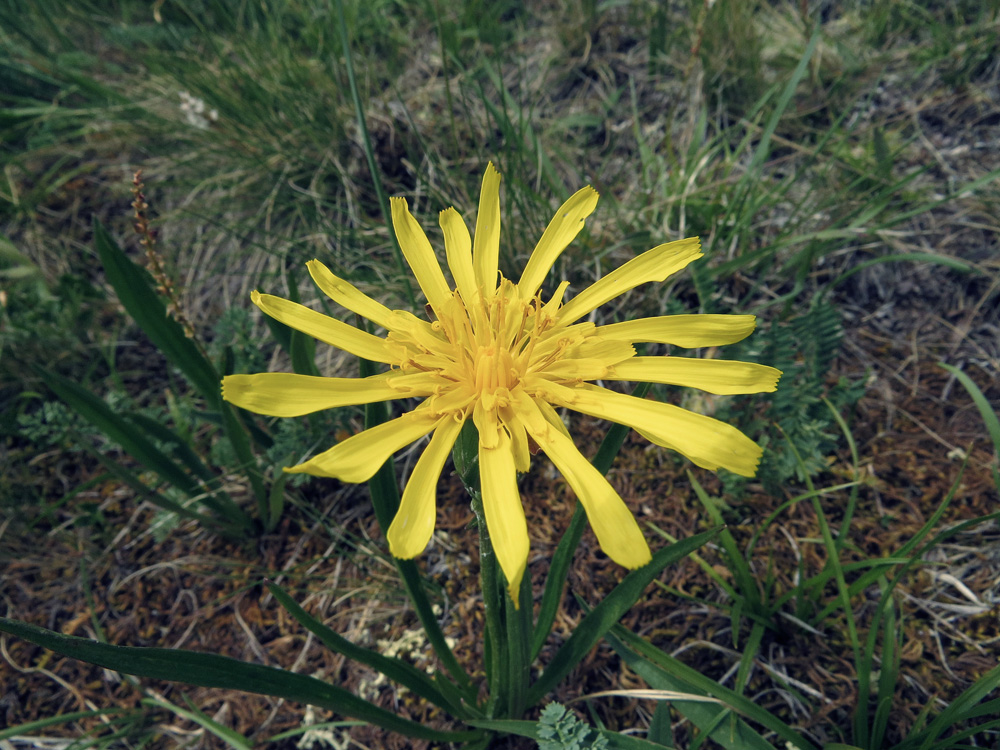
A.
pixel 495 645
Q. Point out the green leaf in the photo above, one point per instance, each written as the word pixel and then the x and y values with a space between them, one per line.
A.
pixel 709 718
pixel 660 730
pixel 212 670
pixel 138 296
pixel 982 403
pixel 688 679
pixel 396 670
pixel 230 736
pixel 31 726
pixel 181 449
pixel 609 611
pixel 134 441
pixel 116 428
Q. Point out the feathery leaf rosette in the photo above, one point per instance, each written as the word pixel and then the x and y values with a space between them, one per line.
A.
pixel 497 353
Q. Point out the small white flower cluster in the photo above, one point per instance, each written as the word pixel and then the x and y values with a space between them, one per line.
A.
pixel 195 112
pixel 320 737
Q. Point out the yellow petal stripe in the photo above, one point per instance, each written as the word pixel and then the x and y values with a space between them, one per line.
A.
pixel 419 254
pixel 323 327
pixel 486 247
pixel 561 231
pixel 360 456
pixel 612 521
pixel 713 375
pixel 458 248
pixel 283 394
pixel 708 442
pixel 689 331
pixel 653 265
pixel 504 512
pixel 413 525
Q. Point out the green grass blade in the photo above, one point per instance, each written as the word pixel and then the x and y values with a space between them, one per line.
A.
pixel 396 670
pixel 366 141
pixel 609 611
pixel 706 716
pixel 139 298
pixel 942 260
pixel 982 403
pixel 212 670
pixel 181 449
pixel 698 683
pixel 161 501
pixel 660 730
pixel 963 707
pixel 132 439
pixel 229 736
pixel 31 726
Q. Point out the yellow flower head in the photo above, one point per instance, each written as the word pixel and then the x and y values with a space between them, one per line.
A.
pixel 497 353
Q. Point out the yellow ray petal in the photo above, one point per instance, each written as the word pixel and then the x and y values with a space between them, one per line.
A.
pixel 419 254
pixel 486 244
pixel 323 327
pixel 458 248
pixel 283 394
pixel 346 294
pixel 708 442
pixel 360 456
pixel 689 331
pixel 413 525
pixel 552 417
pixel 653 265
pixel 518 439
pixel 504 512
pixel 561 231
pixel 612 521
pixel 713 375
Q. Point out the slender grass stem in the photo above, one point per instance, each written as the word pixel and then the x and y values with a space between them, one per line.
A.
pixel 366 140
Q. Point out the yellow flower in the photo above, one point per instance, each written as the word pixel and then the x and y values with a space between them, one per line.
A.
pixel 497 353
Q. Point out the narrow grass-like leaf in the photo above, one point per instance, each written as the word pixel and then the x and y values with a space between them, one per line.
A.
pixel 689 679
pixel 31 726
pixel 743 577
pixel 982 403
pixel 707 717
pixel 138 296
pixel 134 441
pixel 395 669
pixel 212 670
pixel 963 707
pixel 180 447
pixel 230 736
pixel 366 142
pixel 660 729
pixel 593 627
pixel 145 492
